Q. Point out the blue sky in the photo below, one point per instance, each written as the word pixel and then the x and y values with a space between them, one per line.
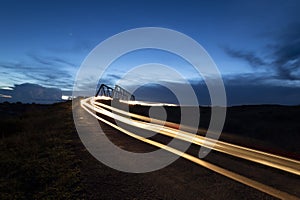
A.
pixel 253 43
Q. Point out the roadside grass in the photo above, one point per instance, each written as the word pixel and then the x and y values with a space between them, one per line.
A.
pixel 37 158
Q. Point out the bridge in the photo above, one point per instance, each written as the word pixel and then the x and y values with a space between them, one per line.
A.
pixel 115 93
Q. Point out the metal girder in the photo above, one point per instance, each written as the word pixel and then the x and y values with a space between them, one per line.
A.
pixel 116 93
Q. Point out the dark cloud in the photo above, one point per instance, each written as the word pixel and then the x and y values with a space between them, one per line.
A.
pixel 114 76
pixel 40 60
pixel 286 53
pixel 14 66
pixel 248 56
pixel 155 93
pixel 257 89
pixel 247 79
pixel 50 60
pixel 283 54
pixel 262 94
pixel 60 60
pixel 242 90
pixel 47 71
pixel 32 93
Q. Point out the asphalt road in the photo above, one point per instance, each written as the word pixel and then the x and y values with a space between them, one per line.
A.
pixel 286 170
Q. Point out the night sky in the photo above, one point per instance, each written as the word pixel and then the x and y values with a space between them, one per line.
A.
pixel 255 44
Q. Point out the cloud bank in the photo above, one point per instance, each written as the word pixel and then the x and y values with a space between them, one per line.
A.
pixel 47 71
pixel 237 94
pixel 31 93
pixel 282 56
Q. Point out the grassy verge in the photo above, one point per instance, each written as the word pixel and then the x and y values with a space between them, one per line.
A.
pixel 37 159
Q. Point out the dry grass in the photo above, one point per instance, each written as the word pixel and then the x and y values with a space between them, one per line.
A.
pixel 37 159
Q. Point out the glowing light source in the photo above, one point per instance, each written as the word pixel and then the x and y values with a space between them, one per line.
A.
pixel 5 96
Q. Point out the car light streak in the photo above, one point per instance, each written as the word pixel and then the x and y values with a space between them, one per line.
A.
pixel 237 177
pixel 264 158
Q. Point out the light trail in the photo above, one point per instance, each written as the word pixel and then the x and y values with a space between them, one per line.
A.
pixel 232 175
pixel 268 159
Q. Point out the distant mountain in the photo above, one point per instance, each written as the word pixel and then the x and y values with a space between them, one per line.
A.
pixel 31 93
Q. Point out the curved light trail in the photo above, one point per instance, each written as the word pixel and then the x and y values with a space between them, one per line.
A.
pixel 271 160
pixel 264 158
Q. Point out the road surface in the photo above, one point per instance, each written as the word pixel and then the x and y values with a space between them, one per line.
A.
pixel 287 165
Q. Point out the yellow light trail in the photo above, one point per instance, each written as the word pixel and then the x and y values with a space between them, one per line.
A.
pixel 264 158
pixel 237 177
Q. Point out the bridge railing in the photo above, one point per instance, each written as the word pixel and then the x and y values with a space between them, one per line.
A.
pixel 116 93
